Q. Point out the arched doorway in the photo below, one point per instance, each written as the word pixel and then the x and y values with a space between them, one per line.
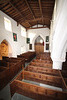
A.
pixel 39 45
pixel 5 49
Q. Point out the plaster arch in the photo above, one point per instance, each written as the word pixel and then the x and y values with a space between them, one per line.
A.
pixel 9 47
pixel 33 41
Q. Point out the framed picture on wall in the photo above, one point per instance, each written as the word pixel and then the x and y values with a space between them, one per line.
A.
pixel 47 46
pixel 30 46
pixel 28 40
pixel 14 36
pixel 47 38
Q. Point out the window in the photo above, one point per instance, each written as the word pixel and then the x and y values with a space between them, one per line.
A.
pixel 7 24
pixel 47 38
pixel 23 32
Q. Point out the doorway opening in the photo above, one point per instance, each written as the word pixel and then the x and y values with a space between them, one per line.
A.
pixel 5 49
pixel 39 45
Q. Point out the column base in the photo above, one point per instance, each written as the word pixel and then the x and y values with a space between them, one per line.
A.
pixel 57 65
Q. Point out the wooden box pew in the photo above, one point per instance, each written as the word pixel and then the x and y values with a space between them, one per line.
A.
pixel 42 70
pixel 43 58
pixel 42 61
pixel 43 78
pixel 4 76
pixel 7 74
pixel 48 57
pixel 20 59
pixel 2 68
pixel 64 75
pixel 15 66
pixel 34 91
pixel 21 56
pixel 46 65
pixel 15 59
pixel 4 73
pixel 64 65
pixel 12 68
pixel 4 63
pixel 28 56
pixel 65 79
pixel 44 54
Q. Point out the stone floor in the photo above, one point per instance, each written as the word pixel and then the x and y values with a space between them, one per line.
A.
pixel 5 93
pixel 17 96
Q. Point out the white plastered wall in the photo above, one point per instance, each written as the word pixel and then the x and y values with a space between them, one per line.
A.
pixel 4 34
pixel 34 33
pixel 59 34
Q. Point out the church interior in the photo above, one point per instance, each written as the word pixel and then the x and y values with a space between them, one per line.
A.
pixel 33 49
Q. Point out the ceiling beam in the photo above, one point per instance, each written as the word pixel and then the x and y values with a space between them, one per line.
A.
pixel 40 6
pixel 30 8
pixel 37 19
pixel 8 1
pixel 18 12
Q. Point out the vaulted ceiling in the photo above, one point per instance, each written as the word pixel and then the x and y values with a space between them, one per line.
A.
pixel 29 12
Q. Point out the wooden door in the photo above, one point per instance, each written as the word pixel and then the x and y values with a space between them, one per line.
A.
pixel 39 48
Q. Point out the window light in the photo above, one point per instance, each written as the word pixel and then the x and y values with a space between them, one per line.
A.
pixel 7 24
pixel 23 32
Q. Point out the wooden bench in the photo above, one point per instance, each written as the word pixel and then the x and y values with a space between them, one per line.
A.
pixel 28 56
pixel 64 75
pixel 64 65
pixel 4 63
pixel 34 91
pixel 12 59
pixel 8 70
pixel 4 76
pixel 42 61
pixel 43 78
pixel 44 56
pixel 42 70
pixel 46 65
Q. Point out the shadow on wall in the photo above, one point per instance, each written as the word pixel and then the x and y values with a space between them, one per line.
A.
pixel 5 49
